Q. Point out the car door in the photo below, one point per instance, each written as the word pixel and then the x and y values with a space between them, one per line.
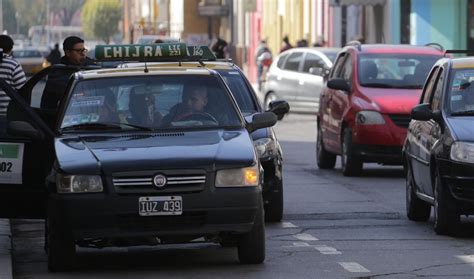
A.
pixel 419 141
pixel 288 79
pixel 339 104
pixel 25 159
pixel 311 81
pixel 325 120
pixel 430 134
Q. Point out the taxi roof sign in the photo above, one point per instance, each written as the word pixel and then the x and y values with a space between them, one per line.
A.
pixel 149 52
pixel 153 52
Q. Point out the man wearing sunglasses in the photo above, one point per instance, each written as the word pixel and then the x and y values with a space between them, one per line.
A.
pixel 74 56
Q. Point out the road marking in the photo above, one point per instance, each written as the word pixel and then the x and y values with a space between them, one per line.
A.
pixel 305 237
pixel 466 258
pixel 326 250
pixel 288 225
pixel 353 267
pixel 300 244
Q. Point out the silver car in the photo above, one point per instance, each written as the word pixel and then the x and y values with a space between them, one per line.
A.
pixel 297 76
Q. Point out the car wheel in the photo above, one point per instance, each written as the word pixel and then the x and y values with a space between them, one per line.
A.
pixel 251 246
pixel 61 247
pixel 268 99
pixel 417 209
pixel 274 209
pixel 350 161
pixel 446 218
pixel 324 159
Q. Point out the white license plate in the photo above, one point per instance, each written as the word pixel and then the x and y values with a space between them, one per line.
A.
pixel 152 206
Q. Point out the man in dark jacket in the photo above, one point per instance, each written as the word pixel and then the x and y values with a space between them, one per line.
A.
pixel 54 56
pixel 75 56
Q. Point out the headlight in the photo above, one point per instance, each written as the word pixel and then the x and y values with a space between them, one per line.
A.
pixel 238 177
pixel 265 147
pixel 462 152
pixel 369 117
pixel 79 184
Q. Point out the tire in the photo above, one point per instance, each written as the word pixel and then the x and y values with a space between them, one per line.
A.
pixel 350 161
pixel 417 209
pixel 446 218
pixel 324 159
pixel 269 98
pixel 61 247
pixel 274 209
pixel 251 246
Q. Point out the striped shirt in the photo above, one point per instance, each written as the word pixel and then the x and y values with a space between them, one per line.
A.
pixel 12 73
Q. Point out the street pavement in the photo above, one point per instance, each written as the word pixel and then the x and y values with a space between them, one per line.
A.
pixel 5 250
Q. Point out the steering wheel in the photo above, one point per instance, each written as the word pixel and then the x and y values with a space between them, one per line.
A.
pixel 199 116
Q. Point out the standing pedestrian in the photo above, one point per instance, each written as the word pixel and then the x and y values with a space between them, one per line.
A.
pixel 286 44
pixel 74 55
pixel 219 48
pixel 263 55
pixel 54 57
pixel 12 73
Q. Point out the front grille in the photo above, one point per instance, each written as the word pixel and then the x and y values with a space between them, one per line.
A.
pixel 401 120
pixel 149 223
pixel 178 181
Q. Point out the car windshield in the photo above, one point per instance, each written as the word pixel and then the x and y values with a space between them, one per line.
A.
pixel 240 91
pixel 461 92
pixel 149 103
pixel 331 55
pixel 395 70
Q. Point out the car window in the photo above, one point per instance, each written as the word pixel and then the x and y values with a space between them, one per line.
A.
pixel 428 90
pixel 312 60
pixel 281 60
pixel 293 61
pixel 394 70
pixel 240 91
pixel 461 90
pixel 337 67
pixel 436 99
pixel 346 70
pixel 155 102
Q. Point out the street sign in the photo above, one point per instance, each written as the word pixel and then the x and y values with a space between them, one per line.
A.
pixel 150 52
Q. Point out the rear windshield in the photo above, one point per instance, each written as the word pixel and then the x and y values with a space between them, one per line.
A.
pixel 395 70
pixel 152 102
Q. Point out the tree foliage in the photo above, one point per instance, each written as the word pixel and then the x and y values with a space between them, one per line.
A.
pixel 65 9
pixel 100 18
pixel 30 12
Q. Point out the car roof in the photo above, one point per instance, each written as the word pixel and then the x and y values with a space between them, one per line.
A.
pixel 141 71
pixel 215 65
pixel 401 48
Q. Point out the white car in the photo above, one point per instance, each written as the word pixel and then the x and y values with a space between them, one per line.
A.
pixel 31 60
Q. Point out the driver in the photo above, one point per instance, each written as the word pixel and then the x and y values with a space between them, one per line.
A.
pixel 194 101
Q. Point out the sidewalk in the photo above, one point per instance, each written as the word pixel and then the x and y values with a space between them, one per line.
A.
pixel 5 250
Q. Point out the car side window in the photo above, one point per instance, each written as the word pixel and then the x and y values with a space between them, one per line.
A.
pixel 428 89
pixel 346 70
pixel 337 65
pixel 438 91
pixel 293 61
pixel 281 60
pixel 312 60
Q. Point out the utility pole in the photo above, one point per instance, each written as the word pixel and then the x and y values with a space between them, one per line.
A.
pixel 1 16
pixel 48 23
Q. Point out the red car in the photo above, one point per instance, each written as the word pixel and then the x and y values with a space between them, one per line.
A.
pixel 365 106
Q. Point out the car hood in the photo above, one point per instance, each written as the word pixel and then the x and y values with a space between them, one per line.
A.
pixel 390 100
pixel 208 150
pixel 462 127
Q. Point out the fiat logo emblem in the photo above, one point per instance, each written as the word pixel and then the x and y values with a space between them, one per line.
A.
pixel 159 180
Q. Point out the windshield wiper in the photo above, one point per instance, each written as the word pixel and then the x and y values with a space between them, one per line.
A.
pixel 377 85
pixel 101 125
pixel 463 113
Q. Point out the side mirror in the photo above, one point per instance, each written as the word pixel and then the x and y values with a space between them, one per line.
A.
pixel 339 84
pixel 316 71
pixel 262 120
pixel 422 112
pixel 23 128
pixel 279 107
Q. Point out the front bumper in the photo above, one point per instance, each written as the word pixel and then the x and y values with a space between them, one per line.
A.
pixel 459 177
pixel 106 215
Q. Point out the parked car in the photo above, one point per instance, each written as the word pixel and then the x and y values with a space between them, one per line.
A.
pixel 297 76
pixel 31 60
pixel 265 140
pixel 365 106
pixel 439 148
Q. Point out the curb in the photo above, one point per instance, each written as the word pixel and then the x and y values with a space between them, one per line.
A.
pixel 6 271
